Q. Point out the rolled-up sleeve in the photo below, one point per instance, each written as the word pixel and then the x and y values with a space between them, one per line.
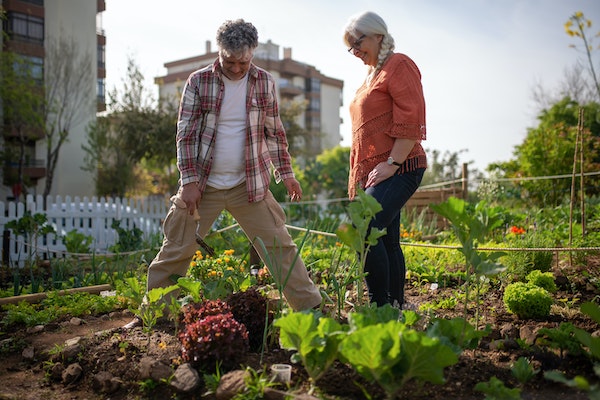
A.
pixel 188 125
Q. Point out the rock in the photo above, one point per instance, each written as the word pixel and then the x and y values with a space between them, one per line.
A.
pixel 528 334
pixel 105 382
pixel 508 330
pixel 73 341
pixel 70 352
pixel 231 384
pixel 186 378
pixel 76 321
pixel 154 369
pixel 56 371
pixel 72 373
pixel 28 353
pixel 36 329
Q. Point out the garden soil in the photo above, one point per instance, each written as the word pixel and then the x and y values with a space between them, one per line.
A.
pixel 24 372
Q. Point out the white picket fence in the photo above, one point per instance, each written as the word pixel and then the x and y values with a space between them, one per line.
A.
pixel 90 216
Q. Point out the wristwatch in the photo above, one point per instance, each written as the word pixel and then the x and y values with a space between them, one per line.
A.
pixel 391 161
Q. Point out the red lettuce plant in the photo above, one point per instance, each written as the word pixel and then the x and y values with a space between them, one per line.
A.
pixel 211 334
pixel 250 308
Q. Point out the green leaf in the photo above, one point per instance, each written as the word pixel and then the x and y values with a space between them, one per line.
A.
pixel 374 350
pixel 424 357
pixel 592 310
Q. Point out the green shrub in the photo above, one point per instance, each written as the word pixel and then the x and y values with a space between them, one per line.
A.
pixel 527 300
pixel 542 279
pixel 520 263
pixel 77 242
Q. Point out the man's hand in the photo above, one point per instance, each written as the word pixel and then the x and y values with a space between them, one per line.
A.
pixel 190 194
pixel 293 188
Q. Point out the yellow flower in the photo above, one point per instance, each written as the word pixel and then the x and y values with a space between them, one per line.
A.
pixel 229 252
pixel 162 345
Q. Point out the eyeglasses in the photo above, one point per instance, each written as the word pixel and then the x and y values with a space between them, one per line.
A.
pixel 356 45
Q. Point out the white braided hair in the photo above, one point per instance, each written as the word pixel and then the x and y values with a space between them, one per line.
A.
pixel 369 23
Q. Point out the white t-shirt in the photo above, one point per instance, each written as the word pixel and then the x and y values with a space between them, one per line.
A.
pixel 228 167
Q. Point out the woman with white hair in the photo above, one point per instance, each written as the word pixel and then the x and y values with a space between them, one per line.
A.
pixel 386 158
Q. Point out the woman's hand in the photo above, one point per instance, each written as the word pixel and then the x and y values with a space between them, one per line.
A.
pixel 380 173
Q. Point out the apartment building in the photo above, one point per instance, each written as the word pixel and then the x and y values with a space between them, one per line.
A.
pixel 29 27
pixel 296 82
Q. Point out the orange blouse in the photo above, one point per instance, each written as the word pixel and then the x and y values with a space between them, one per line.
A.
pixel 391 107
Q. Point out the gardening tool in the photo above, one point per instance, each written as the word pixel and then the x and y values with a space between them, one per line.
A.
pixel 209 250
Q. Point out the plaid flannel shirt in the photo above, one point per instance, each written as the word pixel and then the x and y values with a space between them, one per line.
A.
pixel 266 142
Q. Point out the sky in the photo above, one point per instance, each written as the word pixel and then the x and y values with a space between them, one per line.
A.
pixel 480 60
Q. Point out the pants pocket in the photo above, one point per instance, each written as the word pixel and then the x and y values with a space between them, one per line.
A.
pixel 275 209
pixel 176 221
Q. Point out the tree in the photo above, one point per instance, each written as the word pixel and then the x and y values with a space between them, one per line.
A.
pixel 132 149
pixel 68 73
pixel 549 150
pixel 21 99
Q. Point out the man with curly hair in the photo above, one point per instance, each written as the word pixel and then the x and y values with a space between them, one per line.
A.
pixel 229 138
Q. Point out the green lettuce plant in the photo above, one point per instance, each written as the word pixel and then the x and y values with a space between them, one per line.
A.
pixel 527 300
pixel 391 354
pixel 313 339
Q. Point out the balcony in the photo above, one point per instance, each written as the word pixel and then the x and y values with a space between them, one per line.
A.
pixel 287 89
pixel 32 169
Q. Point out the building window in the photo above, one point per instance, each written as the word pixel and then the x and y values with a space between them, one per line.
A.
pixel 315 104
pixel 100 55
pixel 30 67
pixel 100 89
pixel 25 27
pixel 313 85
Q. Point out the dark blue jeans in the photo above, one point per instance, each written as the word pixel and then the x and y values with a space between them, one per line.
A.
pixel 385 265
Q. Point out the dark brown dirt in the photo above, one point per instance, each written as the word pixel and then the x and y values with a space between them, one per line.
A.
pixel 24 380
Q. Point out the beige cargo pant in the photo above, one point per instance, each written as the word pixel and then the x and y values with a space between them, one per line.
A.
pixel 263 219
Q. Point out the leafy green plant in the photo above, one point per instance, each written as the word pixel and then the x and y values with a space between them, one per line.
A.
pixel 523 370
pixel 255 384
pixel 456 333
pixel 520 263
pixel 590 342
pixel 527 301
pixel 313 339
pixel 577 382
pixel 495 389
pixel 391 354
pixel 357 234
pixel 129 239
pixel 77 242
pixel 471 225
pixel 152 308
pixel 211 381
pixel 220 276
pixel 31 227
pixel 542 279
